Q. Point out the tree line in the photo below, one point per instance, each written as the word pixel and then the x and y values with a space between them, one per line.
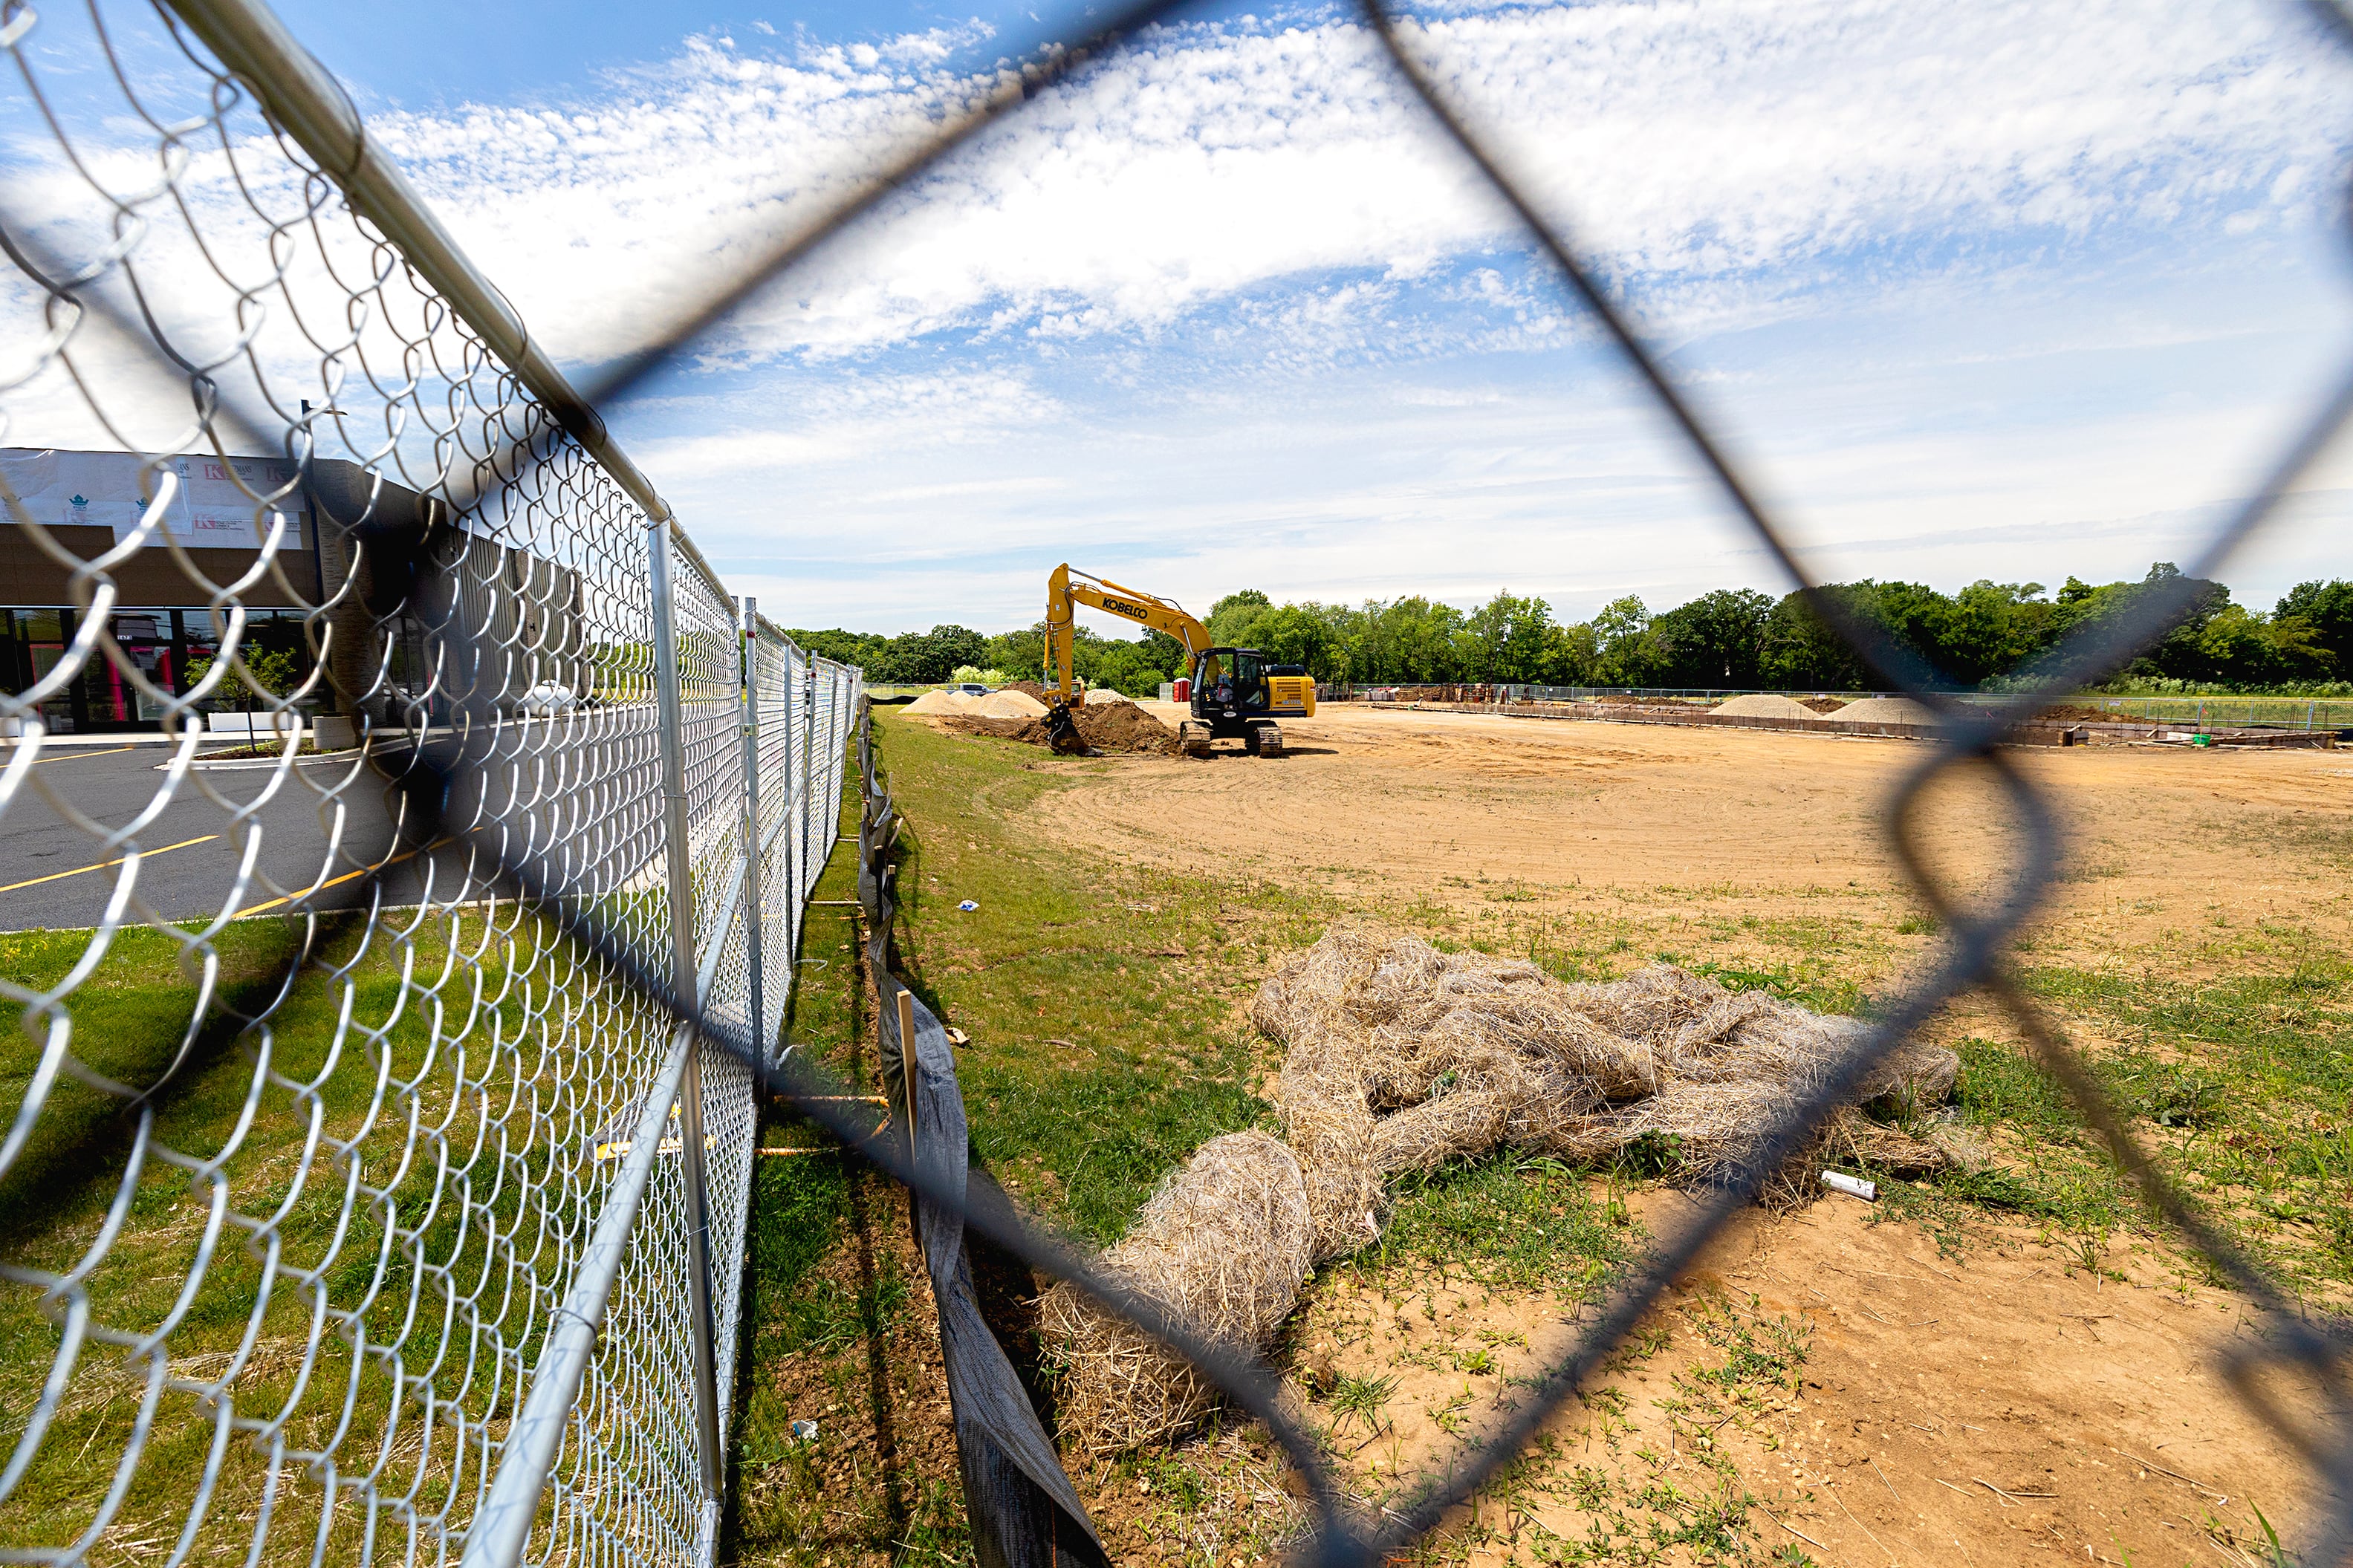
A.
pixel 1733 637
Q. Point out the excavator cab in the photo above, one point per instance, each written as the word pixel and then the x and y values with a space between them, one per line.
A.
pixel 1237 696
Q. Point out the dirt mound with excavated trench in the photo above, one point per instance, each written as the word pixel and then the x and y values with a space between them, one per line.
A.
pixel 1119 726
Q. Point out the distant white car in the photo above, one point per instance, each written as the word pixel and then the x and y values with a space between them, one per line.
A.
pixel 546 700
pixel 971 689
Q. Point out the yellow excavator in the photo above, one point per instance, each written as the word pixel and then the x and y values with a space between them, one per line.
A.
pixel 1237 693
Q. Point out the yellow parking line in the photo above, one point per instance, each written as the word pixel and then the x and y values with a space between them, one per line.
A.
pixel 331 882
pixel 103 865
pixel 75 757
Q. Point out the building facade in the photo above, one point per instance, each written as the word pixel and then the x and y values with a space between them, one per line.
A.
pixel 246 527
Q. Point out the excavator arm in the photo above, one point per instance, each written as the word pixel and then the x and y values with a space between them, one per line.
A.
pixel 1063 596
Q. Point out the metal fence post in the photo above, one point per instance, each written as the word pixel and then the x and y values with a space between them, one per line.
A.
pixel 669 706
pixel 808 777
pixel 756 908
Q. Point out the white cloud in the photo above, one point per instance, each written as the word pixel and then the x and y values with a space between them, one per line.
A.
pixel 1224 312
pixel 1761 141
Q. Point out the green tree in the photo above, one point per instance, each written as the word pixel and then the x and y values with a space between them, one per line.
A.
pixel 1798 651
pixel 2327 609
pixel 1715 641
pixel 1234 619
pixel 1621 635
pixel 1407 639
pixel 1509 637
pixel 1020 654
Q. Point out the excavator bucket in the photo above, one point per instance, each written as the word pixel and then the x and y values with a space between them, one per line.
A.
pixel 1063 731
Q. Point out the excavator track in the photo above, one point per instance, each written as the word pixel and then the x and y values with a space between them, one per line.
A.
pixel 1265 740
pixel 1193 739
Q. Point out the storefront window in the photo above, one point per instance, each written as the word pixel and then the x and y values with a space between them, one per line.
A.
pixel 169 647
pixel 35 641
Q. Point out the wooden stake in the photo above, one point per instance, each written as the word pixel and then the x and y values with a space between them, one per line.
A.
pixel 907 1052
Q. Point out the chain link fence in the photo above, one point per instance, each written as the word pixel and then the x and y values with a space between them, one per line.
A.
pixel 330 1148
pixel 375 1187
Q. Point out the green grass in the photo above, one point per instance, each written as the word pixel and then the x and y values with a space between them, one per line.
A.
pixel 1506 1221
pixel 1103 1001
pixel 357 1037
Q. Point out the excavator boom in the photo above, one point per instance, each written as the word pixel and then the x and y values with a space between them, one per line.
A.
pixel 1063 594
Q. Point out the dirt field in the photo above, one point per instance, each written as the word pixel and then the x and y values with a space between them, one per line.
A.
pixel 2036 1399
pixel 1402 806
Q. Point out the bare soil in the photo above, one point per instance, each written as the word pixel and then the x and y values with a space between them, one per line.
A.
pixel 1987 1412
pixel 1463 810
pixel 1943 1397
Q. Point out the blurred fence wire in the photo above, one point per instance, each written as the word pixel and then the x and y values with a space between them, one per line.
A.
pixel 403 1222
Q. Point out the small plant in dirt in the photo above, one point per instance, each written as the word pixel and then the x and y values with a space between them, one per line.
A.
pixel 2177 1098
pixel 1362 1397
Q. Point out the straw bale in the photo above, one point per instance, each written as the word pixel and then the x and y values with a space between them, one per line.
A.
pixel 1224 1244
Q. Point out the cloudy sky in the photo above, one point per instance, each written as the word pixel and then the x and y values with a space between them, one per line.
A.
pixel 2007 291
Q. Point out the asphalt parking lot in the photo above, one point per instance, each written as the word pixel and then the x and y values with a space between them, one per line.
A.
pixel 56 873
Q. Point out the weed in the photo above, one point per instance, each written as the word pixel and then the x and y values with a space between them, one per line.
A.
pixel 1362 1397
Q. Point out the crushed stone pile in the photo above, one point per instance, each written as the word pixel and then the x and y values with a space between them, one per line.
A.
pixel 1764 705
pixel 1007 704
pixel 1119 726
pixel 1401 1057
pixel 935 703
pixel 1103 695
pixel 1886 711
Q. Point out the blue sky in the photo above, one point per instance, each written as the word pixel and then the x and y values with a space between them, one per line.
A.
pixel 2009 290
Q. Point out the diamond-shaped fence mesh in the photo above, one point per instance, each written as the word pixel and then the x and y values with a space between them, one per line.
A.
pixel 322 1137
pixel 377 1175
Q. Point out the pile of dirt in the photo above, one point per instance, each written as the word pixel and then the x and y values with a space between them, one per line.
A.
pixel 1886 711
pixel 1119 726
pixel 1029 688
pixel 1763 705
pixel 1401 1058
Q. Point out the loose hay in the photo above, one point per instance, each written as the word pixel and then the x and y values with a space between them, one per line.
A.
pixel 1223 1243
pixel 1401 1057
